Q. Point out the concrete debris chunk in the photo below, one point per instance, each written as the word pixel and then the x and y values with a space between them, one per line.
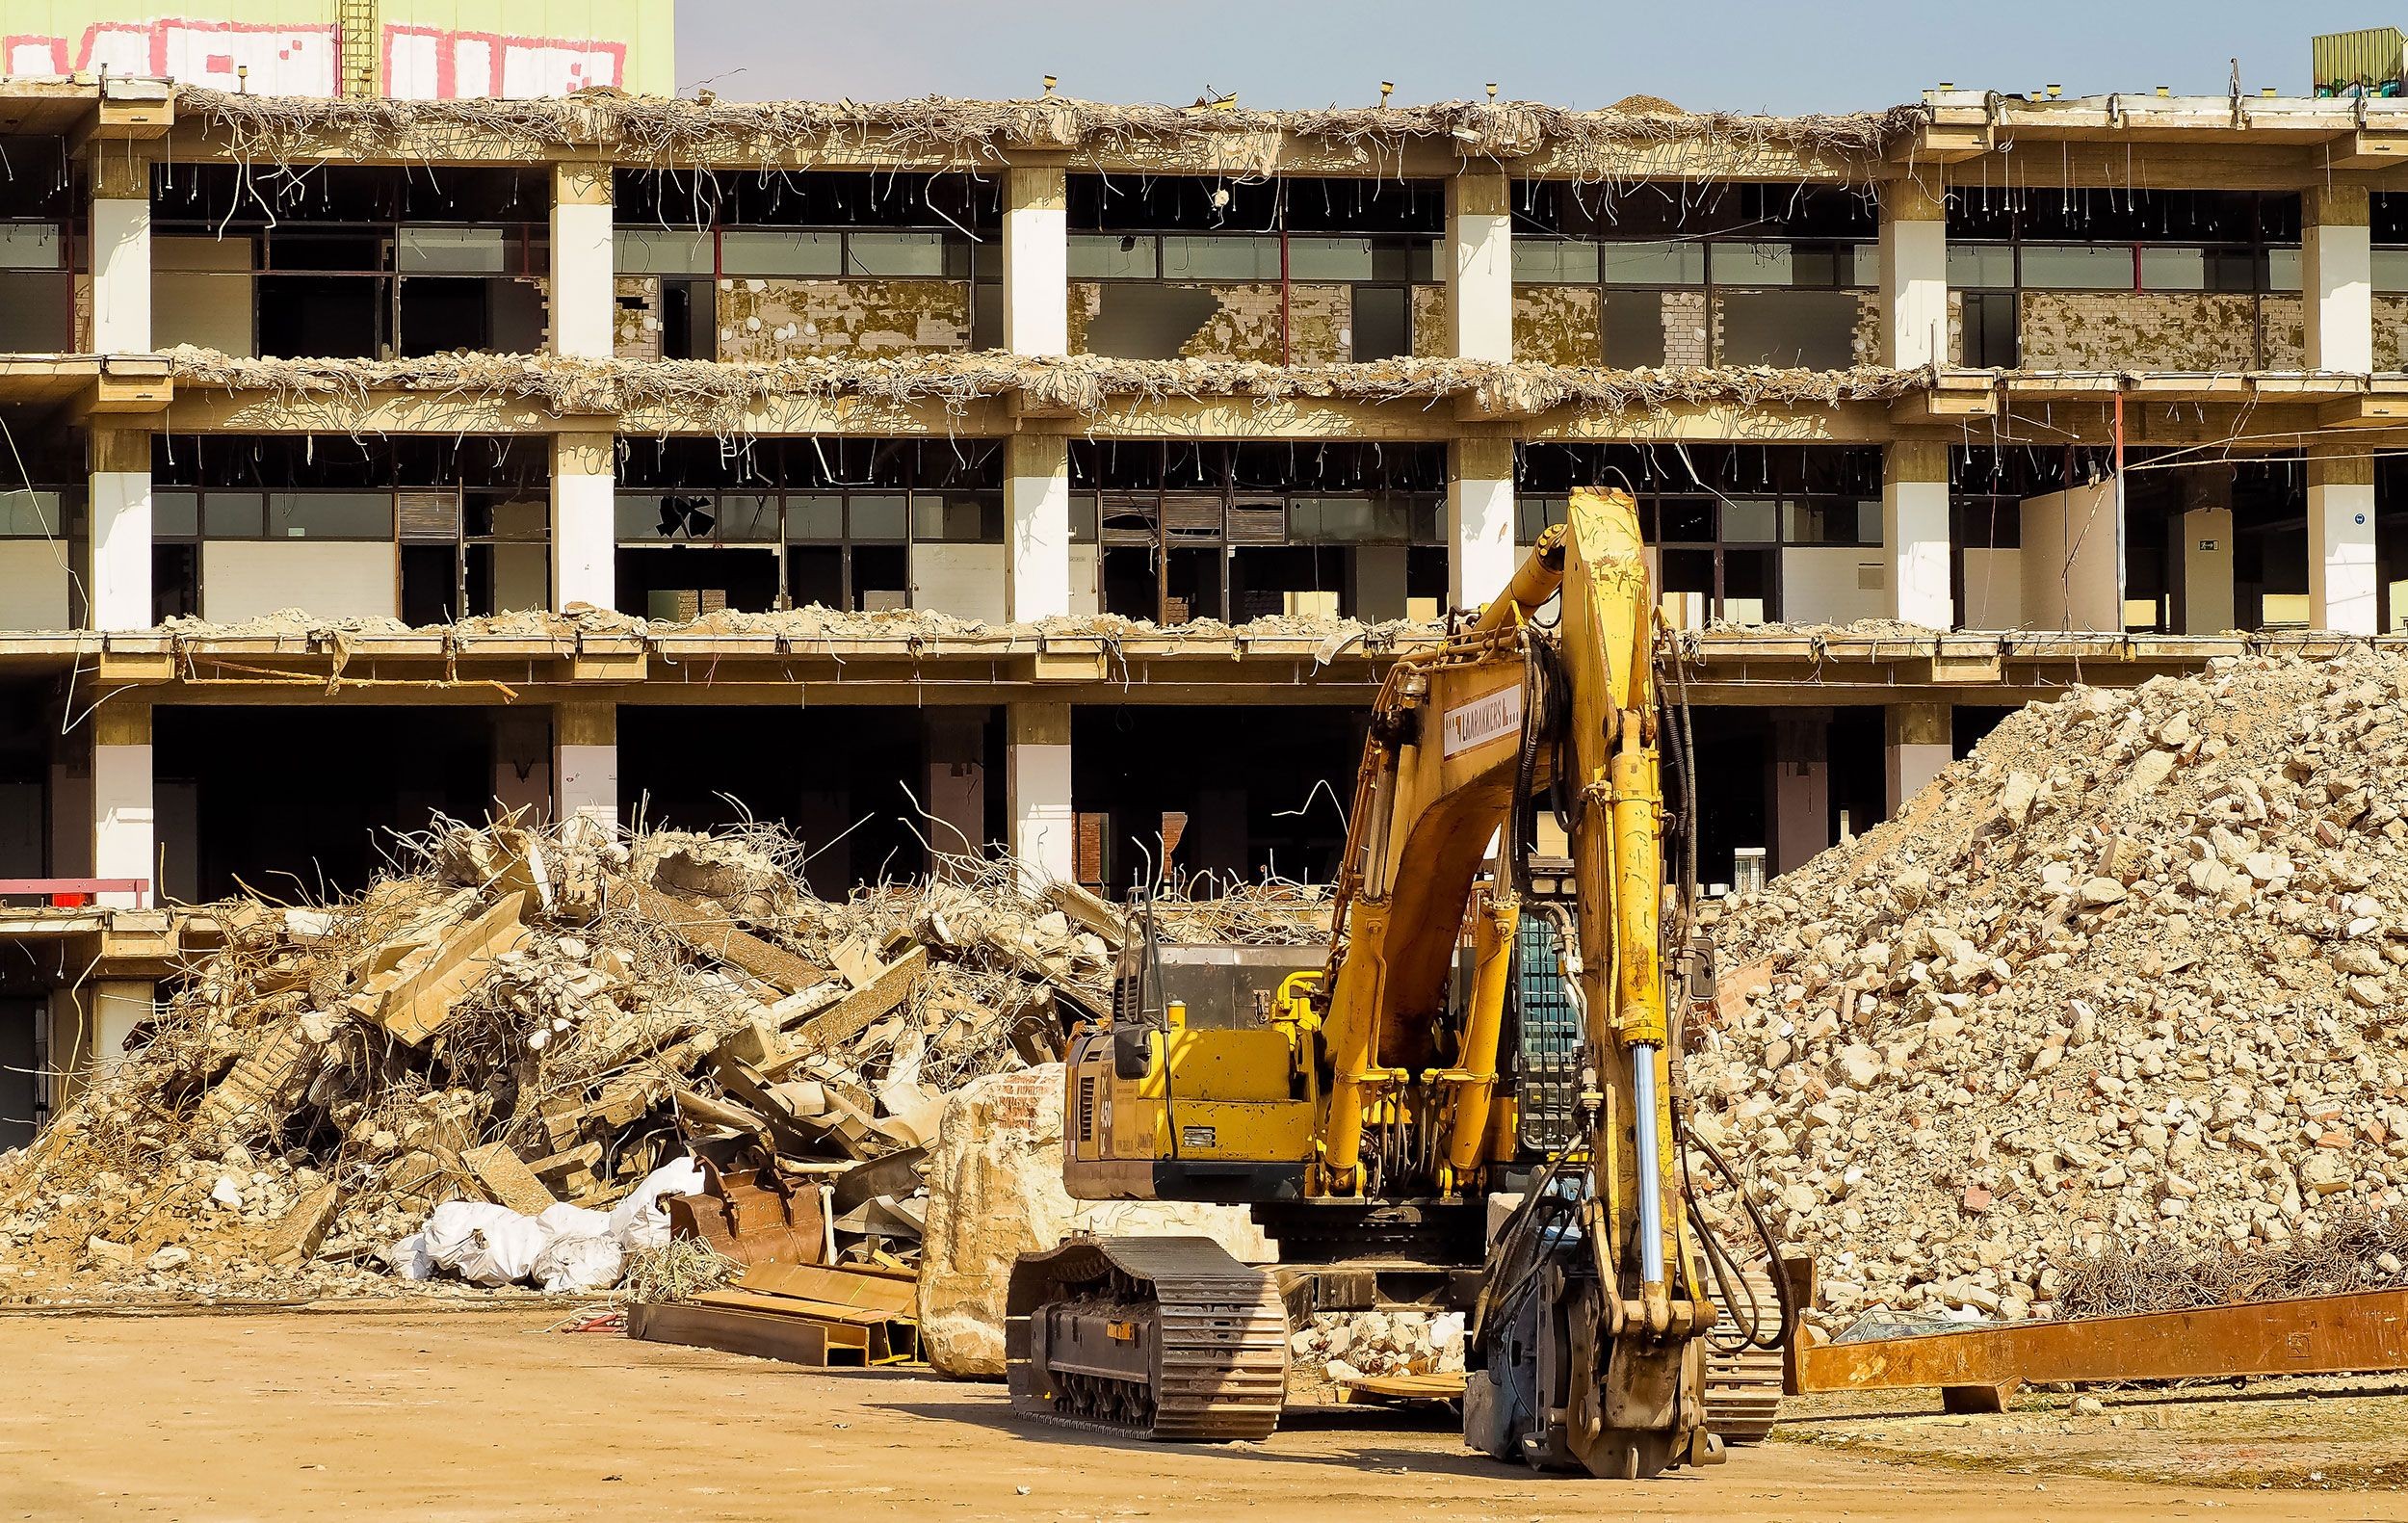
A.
pixel 2106 1010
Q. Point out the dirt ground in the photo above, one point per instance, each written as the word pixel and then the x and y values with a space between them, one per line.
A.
pixel 484 1415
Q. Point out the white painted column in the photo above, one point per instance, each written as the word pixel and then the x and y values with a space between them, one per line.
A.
pixel 124 816
pixel 585 759
pixel 583 525
pixel 119 576
pixel 583 301
pixel 120 250
pixel 1036 527
pixel 1915 534
pixel 2345 587
pixel 1036 262
pixel 1036 789
pixel 1480 552
pixel 1479 264
pixel 1920 747
pixel 1914 275
pixel 2337 278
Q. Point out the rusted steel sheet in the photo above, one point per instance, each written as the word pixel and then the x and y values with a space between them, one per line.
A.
pixel 2313 1335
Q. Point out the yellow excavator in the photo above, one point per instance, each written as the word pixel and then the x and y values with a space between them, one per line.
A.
pixel 1490 1129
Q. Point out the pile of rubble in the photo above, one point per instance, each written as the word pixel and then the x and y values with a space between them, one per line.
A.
pixel 2121 983
pixel 567 1029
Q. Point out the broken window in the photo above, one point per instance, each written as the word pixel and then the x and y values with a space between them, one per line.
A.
pixel 855 524
pixel 37 247
pixel 350 262
pixel 1290 270
pixel 428 529
pixel 1238 532
pixel 2072 246
pixel 741 267
pixel 1648 274
pixel 1744 533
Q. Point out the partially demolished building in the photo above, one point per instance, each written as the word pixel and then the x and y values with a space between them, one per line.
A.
pixel 1065 475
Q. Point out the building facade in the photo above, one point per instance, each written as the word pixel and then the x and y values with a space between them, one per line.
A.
pixel 942 474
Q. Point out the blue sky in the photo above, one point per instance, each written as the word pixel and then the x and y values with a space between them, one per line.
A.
pixel 1775 55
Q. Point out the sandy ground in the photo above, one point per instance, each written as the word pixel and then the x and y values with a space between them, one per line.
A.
pixel 483 1415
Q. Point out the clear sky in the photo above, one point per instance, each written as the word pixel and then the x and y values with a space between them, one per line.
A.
pixel 1742 55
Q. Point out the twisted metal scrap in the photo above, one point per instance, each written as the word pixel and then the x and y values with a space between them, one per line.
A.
pixel 2348 1256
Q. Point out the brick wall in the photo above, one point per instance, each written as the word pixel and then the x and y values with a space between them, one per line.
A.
pixel 771 319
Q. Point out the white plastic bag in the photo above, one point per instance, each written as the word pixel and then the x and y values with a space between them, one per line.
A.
pixel 409 1258
pixel 505 1250
pixel 641 1221
pixel 451 1231
pixel 576 1264
pixel 565 1220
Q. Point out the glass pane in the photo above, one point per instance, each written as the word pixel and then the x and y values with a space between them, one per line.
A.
pixel 1220 256
pixel 662 250
pixel 1865 267
pixel 667 515
pixel 31 245
pixel 755 250
pixel 1655 263
pixel 749 518
pixel 894 254
pixel 456 250
pixel 1313 520
pixel 1831 522
pixel 174 515
pixel 28 515
pixel 329 515
pixel 1982 267
pixel 2281 268
pixel 234 515
pixel 2173 269
pixel 815 518
pixel 878 516
pixel 1749 520
pixel 1329 258
pixel 952 520
pixel 2078 267
pixel 1555 261
pixel 2391 269
pixel 1112 256
pixel 1685 520
pixel 1754 264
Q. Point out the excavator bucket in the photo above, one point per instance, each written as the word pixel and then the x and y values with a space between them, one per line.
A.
pixel 753 1217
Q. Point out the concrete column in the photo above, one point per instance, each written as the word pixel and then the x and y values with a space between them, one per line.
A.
pixel 1477 264
pixel 1036 786
pixel 1801 786
pixel 954 791
pixel 1036 529
pixel 585 759
pixel 2345 585
pixel 1914 275
pixel 119 576
pixel 2201 555
pixel 584 528
pixel 1919 746
pixel 1036 262
pixel 120 250
pixel 584 299
pixel 125 817
pixel 1915 534
pixel 2337 278
pixel 1480 553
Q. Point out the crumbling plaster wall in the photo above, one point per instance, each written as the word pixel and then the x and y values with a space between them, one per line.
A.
pixel 635 317
pixel 761 320
pixel 2117 331
pixel 2390 332
pixel 1557 324
pixel 1243 321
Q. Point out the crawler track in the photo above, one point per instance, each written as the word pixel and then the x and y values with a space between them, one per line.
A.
pixel 1165 1338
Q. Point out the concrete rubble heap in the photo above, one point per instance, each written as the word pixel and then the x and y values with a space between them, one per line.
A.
pixel 541 1018
pixel 2108 1005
